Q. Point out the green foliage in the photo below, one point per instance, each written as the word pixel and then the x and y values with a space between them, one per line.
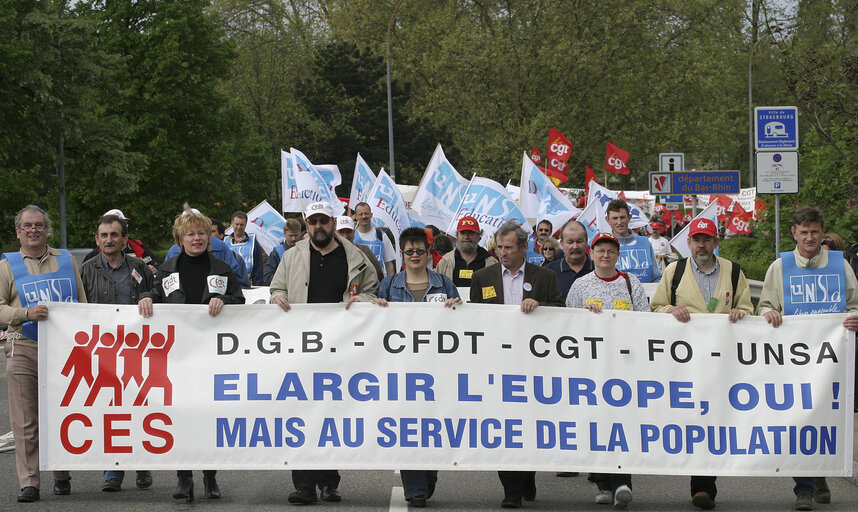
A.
pixel 753 255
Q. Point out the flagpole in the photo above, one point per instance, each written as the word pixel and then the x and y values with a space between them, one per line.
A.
pixel 458 208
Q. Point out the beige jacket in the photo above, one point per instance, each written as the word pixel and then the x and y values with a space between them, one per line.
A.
pixel 688 293
pixel 292 278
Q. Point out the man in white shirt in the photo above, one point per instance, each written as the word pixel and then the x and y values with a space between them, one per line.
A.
pixel 378 243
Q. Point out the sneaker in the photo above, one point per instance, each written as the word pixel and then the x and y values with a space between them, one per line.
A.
pixel 622 497
pixel 62 487
pixel 804 501
pixel 303 496
pixel 703 500
pixel 821 492
pixel 144 479
pixel 111 485
pixel 605 498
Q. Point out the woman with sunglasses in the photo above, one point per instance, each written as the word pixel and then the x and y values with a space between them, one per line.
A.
pixel 550 249
pixel 417 284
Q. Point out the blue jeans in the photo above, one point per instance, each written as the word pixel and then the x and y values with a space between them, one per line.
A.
pixel 417 481
pixel 119 475
pixel 805 484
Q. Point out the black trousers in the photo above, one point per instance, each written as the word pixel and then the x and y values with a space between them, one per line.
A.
pixel 516 483
pixel 310 478
pixel 704 483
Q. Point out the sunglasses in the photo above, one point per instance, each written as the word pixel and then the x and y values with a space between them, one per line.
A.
pixel 412 252
pixel 322 221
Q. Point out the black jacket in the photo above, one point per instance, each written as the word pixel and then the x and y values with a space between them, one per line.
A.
pixel 99 286
pixel 217 267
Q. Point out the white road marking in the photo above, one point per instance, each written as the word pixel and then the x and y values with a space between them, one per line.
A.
pixel 397 500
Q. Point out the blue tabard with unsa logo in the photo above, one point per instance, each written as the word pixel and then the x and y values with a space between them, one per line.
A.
pixel 810 291
pixel 59 286
pixel 635 259
pixel 245 250
pixel 376 244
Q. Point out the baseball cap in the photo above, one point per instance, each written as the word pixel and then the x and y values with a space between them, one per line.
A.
pixel 345 222
pixel 703 227
pixel 117 212
pixel 605 237
pixel 319 207
pixel 468 224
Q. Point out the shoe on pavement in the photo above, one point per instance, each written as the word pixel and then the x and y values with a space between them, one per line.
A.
pixel 303 496
pixel 144 479
pixel 111 485
pixel 330 493
pixel 62 487
pixel 821 492
pixel 622 497
pixel 511 502
pixel 703 500
pixel 418 501
pixel 804 501
pixel 605 498
pixel 28 494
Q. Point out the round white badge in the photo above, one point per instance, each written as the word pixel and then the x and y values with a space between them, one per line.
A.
pixel 527 287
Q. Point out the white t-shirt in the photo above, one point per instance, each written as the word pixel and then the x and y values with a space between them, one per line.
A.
pixel 660 247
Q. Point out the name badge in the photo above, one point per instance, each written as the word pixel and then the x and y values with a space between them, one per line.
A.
pixel 136 275
pixel 597 302
pixel 217 284
pixel 170 283
pixel 466 273
pixel 436 297
pixel 622 304
pixel 489 292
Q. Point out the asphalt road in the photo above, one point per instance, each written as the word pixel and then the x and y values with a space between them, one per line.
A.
pixel 381 490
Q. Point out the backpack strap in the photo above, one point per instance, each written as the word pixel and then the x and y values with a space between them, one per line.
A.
pixel 734 280
pixel 677 276
pixel 629 288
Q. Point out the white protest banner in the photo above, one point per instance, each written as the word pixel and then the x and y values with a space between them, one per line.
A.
pixel 593 218
pixel 420 386
pixel 289 189
pixel 331 176
pixel 266 224
pixel 487 201
pixel 389 209
pixel 602 195
pixel 312 187
pixel 440 193
pixel 540 199
pixel 362 182
pixel 680 241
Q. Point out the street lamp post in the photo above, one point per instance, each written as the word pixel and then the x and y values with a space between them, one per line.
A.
pixel 392 168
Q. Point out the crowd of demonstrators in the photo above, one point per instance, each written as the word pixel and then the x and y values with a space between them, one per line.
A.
pixel 326 267
pixel 417 284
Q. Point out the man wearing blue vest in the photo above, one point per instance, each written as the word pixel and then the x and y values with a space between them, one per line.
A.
pixel 784 294
pixel 245 245
pixel 636 256
pixel 37 273
pixel 378 243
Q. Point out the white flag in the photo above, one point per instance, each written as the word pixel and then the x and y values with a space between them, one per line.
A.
pixel 266 223
pixel 487 201
pixel 593 218
pixel 637 218
pixel 289 189
pixel 311 185
pixel 541 199
pixel 389 209
pixel 440 193
pixel 362 182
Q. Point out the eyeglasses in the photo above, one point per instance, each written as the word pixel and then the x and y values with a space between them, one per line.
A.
pixel 547 249
pixel 32 227
pixel 322 221
pixel 412 252
pixel 606 252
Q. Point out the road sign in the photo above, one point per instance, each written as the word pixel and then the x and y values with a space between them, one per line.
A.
pixel 671 199
pixel 776 128
pixel 694 182
pixel 777 172
pixel 671 162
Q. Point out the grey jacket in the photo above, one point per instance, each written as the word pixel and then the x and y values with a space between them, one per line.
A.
pixel 99 286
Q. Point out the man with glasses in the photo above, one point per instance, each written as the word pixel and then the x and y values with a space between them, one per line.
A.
pixel 49 274
pixel 703 283
pixel 468 257
pixel 324 268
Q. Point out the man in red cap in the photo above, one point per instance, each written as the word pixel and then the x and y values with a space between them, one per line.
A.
pixel 468 257
pixel 703 283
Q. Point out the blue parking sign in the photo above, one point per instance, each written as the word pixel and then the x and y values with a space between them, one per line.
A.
pixel 776 128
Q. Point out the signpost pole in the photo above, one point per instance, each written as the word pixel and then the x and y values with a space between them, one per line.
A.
pixel 777 225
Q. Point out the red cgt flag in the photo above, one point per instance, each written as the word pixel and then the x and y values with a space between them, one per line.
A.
pixel 616 159
pixel 535 156
pixel 589 176
pixel 740 221
pixel 724 203
pixel 559 150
